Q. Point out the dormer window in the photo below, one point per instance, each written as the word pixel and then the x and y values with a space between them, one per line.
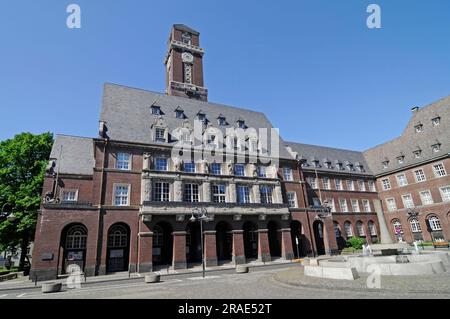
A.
pixel 339 165
pixel 401 159
pixel 156 110
pixel 179 114
pixel 417 153
pixel 418 128
pixel 436 147
pixel 211 140
pixel 360 168
pixel 186 38
pixel 315 163
pixel 350 167
pixel 436 121
pixel 221 120
pixel 201 117
pixel 160 135
pixel 385 164
pixel 327 163
pixel 241 124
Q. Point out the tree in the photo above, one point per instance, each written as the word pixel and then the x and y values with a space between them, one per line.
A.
pixel 23 160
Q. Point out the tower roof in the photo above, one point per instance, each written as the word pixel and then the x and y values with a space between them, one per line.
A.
pixel 183 27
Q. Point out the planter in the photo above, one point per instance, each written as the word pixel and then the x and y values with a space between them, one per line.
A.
pixel 240 269
pixel 152 278
pixel 51 287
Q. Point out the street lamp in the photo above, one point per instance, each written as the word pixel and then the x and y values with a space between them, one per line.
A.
pixel 8 216
pixel 200 214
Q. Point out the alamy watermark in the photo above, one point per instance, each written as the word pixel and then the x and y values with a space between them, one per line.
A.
pixel 374 19
pixel 74 19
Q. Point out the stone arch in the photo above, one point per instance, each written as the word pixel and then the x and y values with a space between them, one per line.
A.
pixel 118 248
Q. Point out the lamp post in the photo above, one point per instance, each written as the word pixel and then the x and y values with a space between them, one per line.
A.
pixel 200 214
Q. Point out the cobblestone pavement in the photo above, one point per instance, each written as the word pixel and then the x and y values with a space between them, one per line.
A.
pixel 282 283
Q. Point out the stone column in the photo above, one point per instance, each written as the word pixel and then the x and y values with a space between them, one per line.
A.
pixel 232 192
pixel 329 237
pixel 238 247
pixel 256 194
pixel 146 161
pixel 286 244
pixel 263 245
pixel 367 232
pixel 177 191
pixel 210 248
pixel 145 256
pixel 206 187
pixel 146 189
pixel 179 250
pixel 385 237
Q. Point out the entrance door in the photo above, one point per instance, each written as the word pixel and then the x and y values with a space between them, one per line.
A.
pixel 75 248
pixel 250 240
pixel 318 236
pixel 118 248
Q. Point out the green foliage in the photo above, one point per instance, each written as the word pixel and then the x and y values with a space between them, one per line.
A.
pixel 356 243
pixel 23 160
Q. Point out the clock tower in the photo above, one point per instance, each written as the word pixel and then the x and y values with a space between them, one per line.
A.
pixel 184 66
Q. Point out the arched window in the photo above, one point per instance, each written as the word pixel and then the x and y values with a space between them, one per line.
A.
pixel 435 223
pixel 76 237
pixel 372 228
pixel 118 237
pixel 348 229
pixel 158 236
pixel 415 225
pixel 337 230
pixel 360 229
pixel 398 229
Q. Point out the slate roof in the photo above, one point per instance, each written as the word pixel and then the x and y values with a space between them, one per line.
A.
pixel 128 117
pixel 183 27
pixel 77 156
pixel 334 155
pixel 411 141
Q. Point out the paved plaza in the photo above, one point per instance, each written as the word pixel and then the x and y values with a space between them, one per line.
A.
pixel 274 282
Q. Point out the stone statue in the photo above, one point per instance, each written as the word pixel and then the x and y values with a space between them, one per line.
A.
pixel 178 164
pixel 230 168
pixel 205 167
pixel 147 162
pixel 255 171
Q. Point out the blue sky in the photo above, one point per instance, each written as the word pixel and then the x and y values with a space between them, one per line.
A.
pixel 313 67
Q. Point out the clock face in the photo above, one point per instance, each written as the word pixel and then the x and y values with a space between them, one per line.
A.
pixel 187 57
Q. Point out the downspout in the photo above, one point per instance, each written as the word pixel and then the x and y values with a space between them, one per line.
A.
pixel 100 226
pixel 305 200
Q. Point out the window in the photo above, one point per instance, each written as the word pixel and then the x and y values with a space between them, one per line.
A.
pixel 266 194
pixel 211 140
pixel 326 182
pixel 123 161
pixel 372 228
pixel 348 229
pixel 436 121
pixel 161 164
pixel 316 202
pixel 398 229
pixel 401 180
pixel 69 196
pixel 391 205
pixel 445 193
pixel 117 237
pixel 385 164
pixel 420 175
pixel 366 205
pixel 161 192
pixel 361 185
pixel 191 193
pixel 343 205
pixel 327 164
pixel 243 194
pixel 355 206
pixel 417 153
pixel 435 223
pixel 241 123
pixel 360 229
pixel 331 204
pixel 339 165
pixel 401 159
pixel 189 167
pixel 216 169
pixel 337 231
pixel 419 128
pixel 262 171
pixel 439 170
pixel 415 226
pixel 121 195
pixel 156 110
pixel 179 114
pixel 436 147
pixel 291 199
pixel 372 186
pixel 350 185
pixel 287 174
pixel 239 170
pixel 426 198
pixel 221 121
pixel 338 183
pixel 160 135
pixel 185 137
pixel 350 167
pixel 76 237
pixel 312 182
pixel 201 117
pixel 218 191
pixel 386 184
pixel 408 201
pixel 316 163
pixel 360 167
